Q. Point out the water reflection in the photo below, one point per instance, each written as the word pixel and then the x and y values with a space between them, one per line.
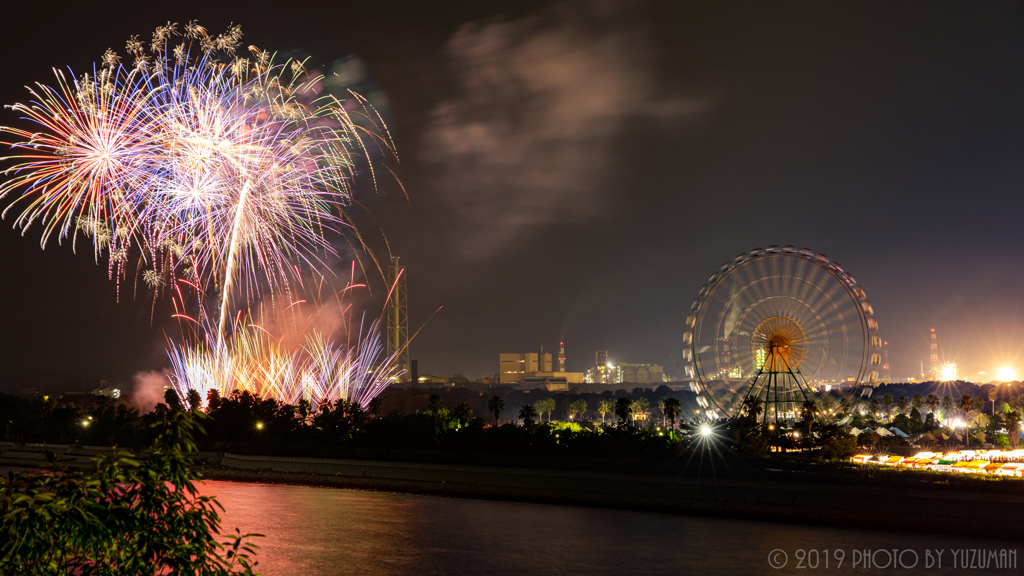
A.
pixel 321 531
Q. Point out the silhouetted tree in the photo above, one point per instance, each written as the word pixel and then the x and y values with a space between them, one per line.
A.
pixel 194 400
pixel 213 400
pixel 577 408
pixel 672 409
pixel 495 405
pixel 171 399
pixel 528 413
pixel 1013 427
pixel 902 404
pixel 435 404
pixel 623 409
pixel 752 407
pixel 947 406
pixel 462 413
pixel 376 407
pixel 809 411
pixel 917 401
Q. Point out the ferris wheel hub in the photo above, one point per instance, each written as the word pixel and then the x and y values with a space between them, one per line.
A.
pixel 780 341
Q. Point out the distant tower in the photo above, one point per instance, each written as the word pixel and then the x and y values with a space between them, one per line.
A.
pixel 601 358
pixel 934 364
pixel 561 356
pixel 886 374
pixel 398 318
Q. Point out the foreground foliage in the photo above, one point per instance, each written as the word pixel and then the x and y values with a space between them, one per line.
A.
pixel 119 516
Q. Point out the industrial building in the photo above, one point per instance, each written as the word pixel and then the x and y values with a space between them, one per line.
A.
pixel 642 373
pixel 517 367
pixel 513 367
pixel 606 372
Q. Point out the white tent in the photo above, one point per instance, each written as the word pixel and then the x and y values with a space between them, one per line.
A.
pixel 899 432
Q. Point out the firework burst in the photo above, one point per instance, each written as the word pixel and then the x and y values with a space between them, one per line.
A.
pixel 219 169
pixel 320 372
pixel 222 172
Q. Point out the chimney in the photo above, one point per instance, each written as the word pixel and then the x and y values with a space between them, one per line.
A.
pixel 561 356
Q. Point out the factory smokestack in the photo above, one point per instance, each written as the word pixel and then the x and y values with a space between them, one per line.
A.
pixel 561 356
pixel 934 363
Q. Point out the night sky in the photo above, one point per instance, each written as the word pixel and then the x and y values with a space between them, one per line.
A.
pixel 576 171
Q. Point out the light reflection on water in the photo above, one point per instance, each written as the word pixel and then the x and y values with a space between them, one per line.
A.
pixel 323 531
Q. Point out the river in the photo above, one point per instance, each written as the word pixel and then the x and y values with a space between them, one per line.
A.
pixel 322 531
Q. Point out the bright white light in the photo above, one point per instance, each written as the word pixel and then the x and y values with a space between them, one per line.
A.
pixel 948 371
pixel 705 430
pixel 1005 374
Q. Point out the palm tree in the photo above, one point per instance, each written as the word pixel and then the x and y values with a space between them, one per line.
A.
pixel 1013 427
pixel 545 405
pixel 917 401
pixel 605 406
pixel 527 413
pixel 808 412
pixel 462 413
pixel 887 402
pixel 932 402
pixel 435 404
pixel 752 407
pixel 376 407
pixel 623 409
pixel 965 404
pixel 947 406
pixel 577 408
pixel 874 406
pixel 902 403
pixel 992 396
pixel 661 408
pixel 672 408
pixel 495 405
pixel 641 406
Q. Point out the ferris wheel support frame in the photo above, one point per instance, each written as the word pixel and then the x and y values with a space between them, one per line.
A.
pixel 771 383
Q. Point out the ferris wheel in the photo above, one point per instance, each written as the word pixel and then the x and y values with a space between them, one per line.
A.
pixel 778 324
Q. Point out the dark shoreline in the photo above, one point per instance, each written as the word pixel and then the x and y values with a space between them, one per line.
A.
pixel 922 521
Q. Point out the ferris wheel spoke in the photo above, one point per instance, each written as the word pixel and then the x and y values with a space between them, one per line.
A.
pixel 777 309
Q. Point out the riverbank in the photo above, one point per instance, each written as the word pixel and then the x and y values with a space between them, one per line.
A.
pixel 708 484
pixel 878 507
